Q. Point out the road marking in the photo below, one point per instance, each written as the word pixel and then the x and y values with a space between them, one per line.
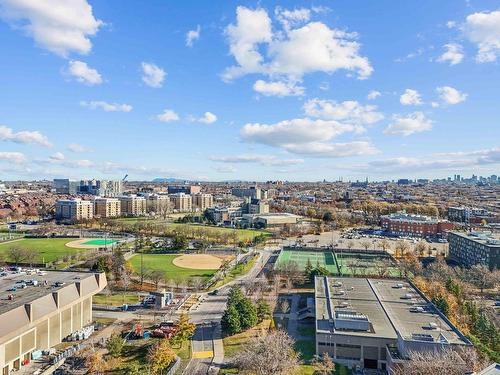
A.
pixel 206 354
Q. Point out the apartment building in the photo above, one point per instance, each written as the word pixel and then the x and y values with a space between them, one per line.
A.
pixel 472 248
pixel 105 188
pixel 66 186
pixel 74 209
pixel 251 192
pixel 107 207
pixel 202 201
pixel 157 204
pixel 38 317
pixel 186 189
pixel 132 205
pixel 403 224
pixel 181 202
pixel 255 206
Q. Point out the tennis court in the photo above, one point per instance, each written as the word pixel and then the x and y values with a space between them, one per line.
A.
pixel 99 242
pixel 356 264
pixel 323 258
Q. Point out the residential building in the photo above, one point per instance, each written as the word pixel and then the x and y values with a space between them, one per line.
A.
pixel 255 206
pixel 38 317
pixel 251 192
pixel 157 204
pixel 104 188
pixel 186 189
pixel 403 224
pixel 181 202
pixel 472 248
pixel 202 201
pixel 66 186
pixel 107 207
pixel 376 324
pixel 74 209
pixel 132 205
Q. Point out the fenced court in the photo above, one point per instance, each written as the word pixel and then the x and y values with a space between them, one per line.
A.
pixel 358 264
pixel 325 259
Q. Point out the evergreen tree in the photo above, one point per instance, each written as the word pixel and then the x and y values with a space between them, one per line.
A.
pixel 231 320
pixel 248 313
pixel 263 310
pixel 441 303
pixel 308 270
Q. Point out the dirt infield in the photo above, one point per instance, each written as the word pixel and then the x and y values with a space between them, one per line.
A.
pixel 198 261
pixel 80 244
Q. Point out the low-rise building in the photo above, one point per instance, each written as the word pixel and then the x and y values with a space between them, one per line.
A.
pixel 403 224
pixel 376 324
pixel 202 201
pixel 133 205
pixel 472 248
pixel 255 206
pixel 181 202
pixel 107 207
pixel 37 316
pixel 224 215
pixel 270 220
pixel 74 209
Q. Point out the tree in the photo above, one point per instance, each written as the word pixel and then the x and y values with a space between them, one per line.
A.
pixel 263 310
pixel 442 304
pixel 248 313
pixel 482 278
pixel 365 244
pixel 328 216
pixel 270 354
pixel 445 362
pixel 17 255
pixel 160 356
pixel 323 365
pixel 185 329
pixel 180 242
pixel 231 320
pixel 384 244
pixel 308 269
pixel 420 248
pixel 96 363
pixel 156 276
pixel 115 346
pixel 402 248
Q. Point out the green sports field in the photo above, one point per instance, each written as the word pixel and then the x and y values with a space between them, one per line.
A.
pixel 99 242
pixel 47 249
pixel 355 264
pixel 163 263
pixel 325 259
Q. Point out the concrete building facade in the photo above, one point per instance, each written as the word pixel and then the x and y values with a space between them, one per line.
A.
pixel 132 205
pixel 107 207
pixel 40 316
pixel 202 201
pixel 472 248
pixel 181 202
pixel 74 209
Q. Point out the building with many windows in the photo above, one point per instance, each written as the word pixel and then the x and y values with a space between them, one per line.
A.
pixel 38 316
pixel 132 205
pixel 74 209
pixel 202 201
pixel 186 189
pixel 403 224
pixel 181 202
pixel 158 204
pixel 66 186
pixel 471 248
pixel 107 207
pixel 376 323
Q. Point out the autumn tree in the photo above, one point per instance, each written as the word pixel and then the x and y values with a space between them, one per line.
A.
pixel 185 329
pixel 323 365
pixel 115 346
pixel 160 356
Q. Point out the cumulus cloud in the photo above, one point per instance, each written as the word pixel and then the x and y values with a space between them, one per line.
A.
pixel 192 36
pixel 350 111
pixel 374 94
pixel 278 88
pixel 167 115
pixel 415 122
pixel 23 137
pixel 12 157
pixel 410 97
pixel 208 118
pixel 83 73
pixel 453 54
pixel 451 95
pixel 61 27
pixel 292 52
pixel 262 159
pixel 152 75
pixel 107 107
pixel 483 29
pixel 333 150
pixel 75 147
pixel 57 156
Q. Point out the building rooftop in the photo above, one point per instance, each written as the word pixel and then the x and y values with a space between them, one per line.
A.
pixel 393 308
pixel 486 238
pixel 404 217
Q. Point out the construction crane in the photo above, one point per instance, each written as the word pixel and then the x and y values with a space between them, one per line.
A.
pixel 124 178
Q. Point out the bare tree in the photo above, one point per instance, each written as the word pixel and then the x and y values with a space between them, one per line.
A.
pixel 365 244
pixel 482 278
pixel 270 354
pixel 17 255
pixel 323 365
pixel 446 362
pixel 156 276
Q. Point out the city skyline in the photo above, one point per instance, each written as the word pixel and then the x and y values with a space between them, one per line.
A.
pixel 297 91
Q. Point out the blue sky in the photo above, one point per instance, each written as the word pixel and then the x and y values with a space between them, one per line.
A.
pixel 249 90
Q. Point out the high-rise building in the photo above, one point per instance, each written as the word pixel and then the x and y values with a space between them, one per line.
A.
pixel 132 205
pixel 74 209
pixel 157 204
pixel 202 201
pixel 104 188
pixel 107 207
pixel 251 192
pixel 66 186
pixel 181 202
pixel 186 189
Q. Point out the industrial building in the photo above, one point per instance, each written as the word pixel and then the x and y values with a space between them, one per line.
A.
pixel 472 248
pixel 376 323
pixel 39 309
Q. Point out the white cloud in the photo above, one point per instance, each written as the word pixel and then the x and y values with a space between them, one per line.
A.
pixel 295 17
pixel 226 169
pixel 107 107
pixel 260 159
pixel 483 29
pixel 208 118
pixel 192 35
pixel 167 115
pixel 58 26
pixel 83 73
pixel 350 111
pixel 410 97
pixel 57 156
pixel 24 137
pixel 278 88
pixel 152 75
pixel 293 51
pixel 451 95
pixel 415 122
pixel 373 94
pixel 453 55
pixel 334 150
pixel 75 147
pixel 12 157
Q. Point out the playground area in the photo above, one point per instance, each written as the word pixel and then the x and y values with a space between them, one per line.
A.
pixel 325 259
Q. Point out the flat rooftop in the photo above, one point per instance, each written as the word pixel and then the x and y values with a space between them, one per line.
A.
pixel 486 238
pixel 46 285
pixel 392 306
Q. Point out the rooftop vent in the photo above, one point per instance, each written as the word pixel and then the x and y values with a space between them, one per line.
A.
pixel 351 321
pixel 407 296
pixel 398 286
pixel 422 337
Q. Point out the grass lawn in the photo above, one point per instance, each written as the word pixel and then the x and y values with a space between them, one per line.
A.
pixel 234 344
pixel 163 262
pixel 115 299
pixel 243 234
pixel 48 249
